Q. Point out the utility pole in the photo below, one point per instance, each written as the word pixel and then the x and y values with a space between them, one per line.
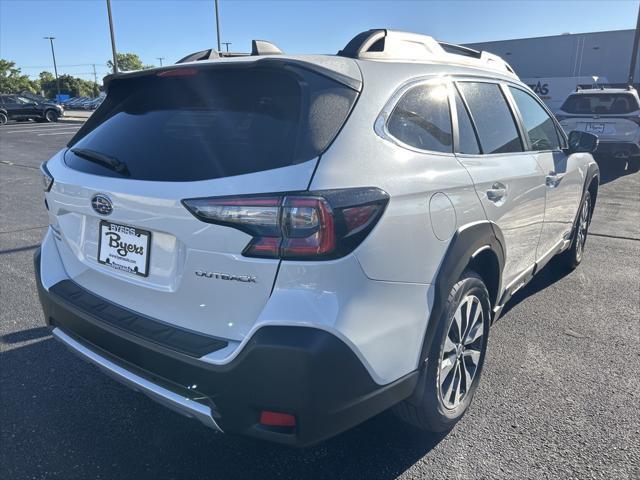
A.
pixel 160 58
pixel 95 80
pixel 226 44
pixel 55 67
pixel 634 51
pixel 113 38
pixel 217 25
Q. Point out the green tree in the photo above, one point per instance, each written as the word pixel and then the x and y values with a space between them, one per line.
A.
pixel 13 81
pixel 73 86
pixel 128 62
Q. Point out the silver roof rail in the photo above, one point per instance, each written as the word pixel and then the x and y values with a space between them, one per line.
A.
pixel 392 45
pixel 258 48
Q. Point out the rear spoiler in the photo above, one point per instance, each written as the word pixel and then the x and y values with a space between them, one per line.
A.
pixel 270 61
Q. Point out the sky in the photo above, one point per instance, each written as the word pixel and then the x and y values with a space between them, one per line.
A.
pixel 175 28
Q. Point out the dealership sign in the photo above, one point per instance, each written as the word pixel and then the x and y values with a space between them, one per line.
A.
pixel 554 90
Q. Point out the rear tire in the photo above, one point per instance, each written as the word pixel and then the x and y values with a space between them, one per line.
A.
pixel 450 376
pixel 51 116
pixel 3 119
pixel 571 258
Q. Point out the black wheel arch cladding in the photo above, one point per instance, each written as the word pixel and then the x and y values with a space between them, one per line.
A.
pixel 465 243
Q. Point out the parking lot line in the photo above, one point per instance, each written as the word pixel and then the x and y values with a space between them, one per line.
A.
pixel 58 133
pixel 39 129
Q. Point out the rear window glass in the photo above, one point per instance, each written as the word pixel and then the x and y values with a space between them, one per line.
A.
pixel 215 123
pixel 600 103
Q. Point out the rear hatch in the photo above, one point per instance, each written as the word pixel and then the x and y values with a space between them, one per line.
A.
pixel 614 117
pixel 160 137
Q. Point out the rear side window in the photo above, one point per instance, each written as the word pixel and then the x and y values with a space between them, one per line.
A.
pixel 539 125
pixel 467 141
pixel 214 123
pixel 421 119
pixel 600 104
pixel 494 122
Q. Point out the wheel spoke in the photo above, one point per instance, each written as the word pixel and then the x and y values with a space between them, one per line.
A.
pixel 459 392
pixel 447 395
pixel 473 354
pixel 446 366
pixel 468 376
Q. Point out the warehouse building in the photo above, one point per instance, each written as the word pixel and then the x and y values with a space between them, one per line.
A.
pixel 554 66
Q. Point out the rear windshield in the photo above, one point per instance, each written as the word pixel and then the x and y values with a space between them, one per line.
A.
pixel 212 123
pixel 600 103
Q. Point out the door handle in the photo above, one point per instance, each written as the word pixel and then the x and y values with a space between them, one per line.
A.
pixel 553 179
pixel 497 192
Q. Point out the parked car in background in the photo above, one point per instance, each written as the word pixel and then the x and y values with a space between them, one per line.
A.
pixel 613 114
pixel 18 107
pixel 285 246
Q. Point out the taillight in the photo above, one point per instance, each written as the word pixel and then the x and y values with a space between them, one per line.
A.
pixel 299 225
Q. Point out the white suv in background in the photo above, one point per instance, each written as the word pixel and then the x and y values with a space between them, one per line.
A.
pixel 613 114
pixel 284 246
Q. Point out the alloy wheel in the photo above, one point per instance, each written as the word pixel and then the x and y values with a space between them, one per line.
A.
pixel 461 353
pixel 583 225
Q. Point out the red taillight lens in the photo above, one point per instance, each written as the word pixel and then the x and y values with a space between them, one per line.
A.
pixel 297 226
pixel 178 72
pixel 275 419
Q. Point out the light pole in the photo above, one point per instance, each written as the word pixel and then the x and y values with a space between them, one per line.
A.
pixel 55 67
pixel 160 58
pixel 217 25
pixel 113 38
pixel 226 44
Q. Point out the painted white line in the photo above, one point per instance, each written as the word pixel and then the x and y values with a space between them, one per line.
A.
pixel 57 133
pixel 21 126
pixel 40 129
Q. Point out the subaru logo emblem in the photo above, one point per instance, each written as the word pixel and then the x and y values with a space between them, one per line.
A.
pixel 102 204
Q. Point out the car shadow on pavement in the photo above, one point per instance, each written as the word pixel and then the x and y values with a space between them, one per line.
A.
pixel 612 168
pixel 62 418
pixel 550 274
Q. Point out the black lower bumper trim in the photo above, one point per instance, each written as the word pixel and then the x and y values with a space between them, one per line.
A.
pixel 303 371
pixel 178 339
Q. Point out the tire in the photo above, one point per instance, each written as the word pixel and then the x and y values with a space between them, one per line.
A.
pixel 435 405
pixel 571 258
pixel 3 119
pixel 51 116
pixel 634 164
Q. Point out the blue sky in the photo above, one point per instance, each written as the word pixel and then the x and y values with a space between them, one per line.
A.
pixel 174 28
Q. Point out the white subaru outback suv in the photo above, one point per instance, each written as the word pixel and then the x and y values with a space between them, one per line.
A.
pixel 284 246
pixel 613 114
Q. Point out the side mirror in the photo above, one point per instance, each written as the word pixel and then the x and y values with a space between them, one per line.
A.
pixel 582 142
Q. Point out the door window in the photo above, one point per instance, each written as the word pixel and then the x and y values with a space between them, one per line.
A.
pixel 421 119
pixel 494 122
pixel 539 125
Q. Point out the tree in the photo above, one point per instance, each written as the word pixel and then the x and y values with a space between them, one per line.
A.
pixel 13 81
pixel 128 62
pixel 73 86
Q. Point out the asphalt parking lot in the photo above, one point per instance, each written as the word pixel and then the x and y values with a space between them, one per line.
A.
pixel 559 396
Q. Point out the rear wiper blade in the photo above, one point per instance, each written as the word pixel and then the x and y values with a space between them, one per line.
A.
pixel 105 160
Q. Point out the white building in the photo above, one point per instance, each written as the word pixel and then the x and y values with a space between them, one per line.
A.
pixel 554 66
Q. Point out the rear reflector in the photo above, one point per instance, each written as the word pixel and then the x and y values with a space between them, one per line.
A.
pixel 275 419
pixel 297 226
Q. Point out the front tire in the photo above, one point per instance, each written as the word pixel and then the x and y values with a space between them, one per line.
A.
pixel 51 116
pixel 571 258
pixel 3 119
pixel 450 376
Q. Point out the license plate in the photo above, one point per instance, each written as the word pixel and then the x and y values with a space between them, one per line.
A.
pixel 595 127
pixel 124 248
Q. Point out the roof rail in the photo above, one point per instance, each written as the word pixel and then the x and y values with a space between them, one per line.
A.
pixel 382 44
pixel 258 47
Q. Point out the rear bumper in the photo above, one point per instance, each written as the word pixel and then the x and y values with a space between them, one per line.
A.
pixel 630 149
pixel 303 371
